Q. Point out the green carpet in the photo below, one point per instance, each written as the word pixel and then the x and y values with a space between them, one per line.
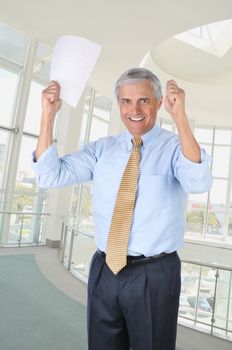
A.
pixel 34 314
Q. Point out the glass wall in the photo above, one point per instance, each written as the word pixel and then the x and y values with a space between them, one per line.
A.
pixel 208 215
pixel 5 137
pixel 28 199
pixel 96 116
pixel 13 49
pixel 80 245
pixel 23 205
pixel 9 83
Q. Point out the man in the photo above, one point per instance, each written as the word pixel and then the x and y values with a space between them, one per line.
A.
pixel 133 306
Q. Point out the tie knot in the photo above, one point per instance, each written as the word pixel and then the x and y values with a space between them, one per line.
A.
pixel 137 141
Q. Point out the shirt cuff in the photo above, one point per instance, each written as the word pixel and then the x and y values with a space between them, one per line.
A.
pixel 205 158
pixel 47 161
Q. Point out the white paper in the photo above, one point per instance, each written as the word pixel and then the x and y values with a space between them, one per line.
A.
pixel 72 62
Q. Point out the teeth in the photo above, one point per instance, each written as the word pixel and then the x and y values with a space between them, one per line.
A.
pixel 136 119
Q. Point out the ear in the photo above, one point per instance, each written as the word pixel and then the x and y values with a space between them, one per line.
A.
pixel 159 103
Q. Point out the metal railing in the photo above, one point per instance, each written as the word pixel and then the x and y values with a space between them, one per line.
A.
pixel 21 225
pixel 208 290
pixel 206 295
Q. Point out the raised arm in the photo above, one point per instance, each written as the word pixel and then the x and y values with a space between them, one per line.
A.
pixel 51 103
pixel 175 105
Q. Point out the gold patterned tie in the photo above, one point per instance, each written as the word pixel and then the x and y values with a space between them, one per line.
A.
pixel 117 244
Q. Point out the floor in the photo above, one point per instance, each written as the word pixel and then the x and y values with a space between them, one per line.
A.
pixel 47 260
pixel 37 314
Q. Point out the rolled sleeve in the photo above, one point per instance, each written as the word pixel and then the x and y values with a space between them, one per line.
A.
pixel 194 177
pixel 47 161
pixel 52 171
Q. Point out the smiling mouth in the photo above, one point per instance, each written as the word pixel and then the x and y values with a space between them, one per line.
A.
pixel 136 119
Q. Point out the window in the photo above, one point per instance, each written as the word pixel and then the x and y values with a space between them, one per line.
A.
pixel 28 203
pixel 13 45
pixel 41 71
pixel 213 38
pixel 95 124
pixel 33 114
pixel 196 214
pixel 4 145
pixel 98 129
pixel 96 116
pixel 209 215
pixel 8 88
pixel 22 204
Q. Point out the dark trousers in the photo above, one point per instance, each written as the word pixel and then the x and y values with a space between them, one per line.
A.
pixel 136 309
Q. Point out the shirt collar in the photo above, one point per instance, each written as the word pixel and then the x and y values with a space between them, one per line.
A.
pixel 148 139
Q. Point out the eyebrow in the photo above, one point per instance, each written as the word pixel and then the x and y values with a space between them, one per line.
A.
pixel 144 98
pixel 129 99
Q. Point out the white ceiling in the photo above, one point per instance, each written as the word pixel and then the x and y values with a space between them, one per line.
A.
pixel 191 64
pixel 127 30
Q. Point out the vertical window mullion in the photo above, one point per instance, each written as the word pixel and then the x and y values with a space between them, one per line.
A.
pixel 20 111
pixel 205 229
pixel 229 187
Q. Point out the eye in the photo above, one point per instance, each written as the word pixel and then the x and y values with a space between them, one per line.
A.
pixel 125 101
pixel 144 100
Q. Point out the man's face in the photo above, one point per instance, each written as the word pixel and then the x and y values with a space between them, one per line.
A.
pixel 138 107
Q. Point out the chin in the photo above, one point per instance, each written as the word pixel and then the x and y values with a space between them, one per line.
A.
pixel 137 133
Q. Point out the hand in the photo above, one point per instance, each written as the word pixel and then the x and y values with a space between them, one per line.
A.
pixel 51 101
pixel 174 101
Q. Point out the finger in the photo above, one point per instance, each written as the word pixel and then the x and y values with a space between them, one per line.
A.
pixel 172 86
pixel 54 83
pixel 52 92
pixel 50 96
pixel 53 87
pixel 172 90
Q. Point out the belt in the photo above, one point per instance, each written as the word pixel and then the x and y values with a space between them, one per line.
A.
pixel 139 259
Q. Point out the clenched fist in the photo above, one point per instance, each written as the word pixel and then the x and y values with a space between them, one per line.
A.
pixel 174 101
pixel 51 101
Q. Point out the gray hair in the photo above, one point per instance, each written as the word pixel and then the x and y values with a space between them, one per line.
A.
pixel 137 74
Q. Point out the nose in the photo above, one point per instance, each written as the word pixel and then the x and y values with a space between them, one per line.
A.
pixel 135 108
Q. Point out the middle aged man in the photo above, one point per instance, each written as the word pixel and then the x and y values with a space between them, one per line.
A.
pixel 141 179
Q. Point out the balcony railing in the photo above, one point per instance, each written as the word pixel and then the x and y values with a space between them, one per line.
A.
pixel 25 228
pixel 206 294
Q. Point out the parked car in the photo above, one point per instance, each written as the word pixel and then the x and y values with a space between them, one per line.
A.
pixel 184 306
pixel 210 301
pixel 203 303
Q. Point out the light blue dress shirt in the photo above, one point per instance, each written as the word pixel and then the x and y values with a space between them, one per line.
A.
pixel 166 176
